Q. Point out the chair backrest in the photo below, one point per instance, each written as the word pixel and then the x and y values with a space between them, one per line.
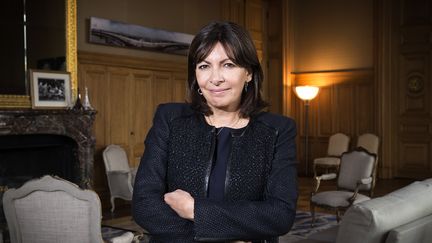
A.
pixel 338 144
pixel 115 158
pixel 50 209
pixel 369 141
pixel 355 165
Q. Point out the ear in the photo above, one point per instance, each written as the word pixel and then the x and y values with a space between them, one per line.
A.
pixel 249 77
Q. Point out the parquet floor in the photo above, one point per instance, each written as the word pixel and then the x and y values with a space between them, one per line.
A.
pixel 383 186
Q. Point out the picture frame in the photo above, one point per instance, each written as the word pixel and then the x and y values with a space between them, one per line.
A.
pixel 50 89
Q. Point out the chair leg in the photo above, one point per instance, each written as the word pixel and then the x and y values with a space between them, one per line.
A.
pixel 314 170
pixel 338 216
pixel 112 204
pixel 312 210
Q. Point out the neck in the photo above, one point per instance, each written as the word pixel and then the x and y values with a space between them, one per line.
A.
pixel 226 119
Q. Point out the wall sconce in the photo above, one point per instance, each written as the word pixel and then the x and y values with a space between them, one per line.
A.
pixel 306 93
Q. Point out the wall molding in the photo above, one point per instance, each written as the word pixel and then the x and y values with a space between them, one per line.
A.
pixel 85 57
pixel 331 77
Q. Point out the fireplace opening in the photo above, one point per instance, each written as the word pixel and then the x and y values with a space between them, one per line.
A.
pixel 23 157
pixel 36 142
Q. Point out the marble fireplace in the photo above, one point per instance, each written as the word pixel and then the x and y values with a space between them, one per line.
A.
pixel 36 142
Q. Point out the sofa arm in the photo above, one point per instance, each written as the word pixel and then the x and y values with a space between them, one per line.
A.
pixel 370 221
pixel 419 231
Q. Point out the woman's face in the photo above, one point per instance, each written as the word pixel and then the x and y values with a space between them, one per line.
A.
pixel 220 80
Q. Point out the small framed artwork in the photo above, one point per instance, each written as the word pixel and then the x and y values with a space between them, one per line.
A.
pixel 50 89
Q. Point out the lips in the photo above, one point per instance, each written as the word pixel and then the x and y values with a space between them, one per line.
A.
pixel 218 91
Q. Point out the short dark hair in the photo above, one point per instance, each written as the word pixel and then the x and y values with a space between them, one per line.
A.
pixel 241 50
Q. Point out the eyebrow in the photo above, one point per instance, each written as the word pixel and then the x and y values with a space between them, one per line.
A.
pixel 222 61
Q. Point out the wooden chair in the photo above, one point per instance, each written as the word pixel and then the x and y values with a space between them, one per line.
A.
pixel 338 144
pixel 370 142
pixel 120 176
pixel 355 175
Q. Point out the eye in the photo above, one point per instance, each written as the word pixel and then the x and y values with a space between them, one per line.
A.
pixel 229 65
pixel 202 66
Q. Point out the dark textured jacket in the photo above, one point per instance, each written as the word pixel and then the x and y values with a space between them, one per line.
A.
pixel 260 186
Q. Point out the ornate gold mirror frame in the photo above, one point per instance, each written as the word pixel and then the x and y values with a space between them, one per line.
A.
pixel 24 101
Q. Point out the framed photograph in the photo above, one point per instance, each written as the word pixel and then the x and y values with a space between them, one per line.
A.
pixel 50 89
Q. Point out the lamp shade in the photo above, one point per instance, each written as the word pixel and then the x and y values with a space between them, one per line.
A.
pixel 306 92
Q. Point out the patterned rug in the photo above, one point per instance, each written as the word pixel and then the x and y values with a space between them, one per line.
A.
pixel 302 224
pixel 109 232
pixel 300 230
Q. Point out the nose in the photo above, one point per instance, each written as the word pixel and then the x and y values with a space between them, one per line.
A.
pixel 216 77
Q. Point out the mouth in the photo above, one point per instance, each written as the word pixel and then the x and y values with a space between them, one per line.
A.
pixel 218 91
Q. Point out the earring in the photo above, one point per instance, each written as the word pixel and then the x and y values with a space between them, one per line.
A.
pixel 246 86
pixel 199 91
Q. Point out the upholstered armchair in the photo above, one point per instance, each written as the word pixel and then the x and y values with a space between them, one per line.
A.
pixel 338 144
pixel 370 142
pixel 120 176
pixel 355 175
pixel 52 210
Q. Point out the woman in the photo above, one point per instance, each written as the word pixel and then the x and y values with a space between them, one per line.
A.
pixel 218 169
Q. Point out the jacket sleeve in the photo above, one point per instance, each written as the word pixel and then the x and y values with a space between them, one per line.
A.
pixel 148 207
pixel 247 220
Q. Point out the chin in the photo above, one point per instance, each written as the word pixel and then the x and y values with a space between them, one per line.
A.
pixel 222 105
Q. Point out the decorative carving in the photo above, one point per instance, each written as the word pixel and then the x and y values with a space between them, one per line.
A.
pixel 17 101
pixel 415 84
pixel 76 124
pixel 71 46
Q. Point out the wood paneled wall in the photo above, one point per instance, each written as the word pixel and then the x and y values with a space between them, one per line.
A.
pixel 392 99
pixel 414 114
pixel 125 91
pixel 346 103
pixel 404 54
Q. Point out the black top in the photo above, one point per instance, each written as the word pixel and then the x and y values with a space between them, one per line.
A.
pixel 216 189
pixel 217 177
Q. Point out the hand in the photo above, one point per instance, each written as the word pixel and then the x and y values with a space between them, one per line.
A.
pixel 181 202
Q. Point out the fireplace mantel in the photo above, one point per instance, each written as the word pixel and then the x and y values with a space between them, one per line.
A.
pixel 76 124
